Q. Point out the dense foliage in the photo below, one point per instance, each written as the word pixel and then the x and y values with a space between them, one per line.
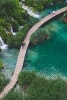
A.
pixel 3 81
pixel 15 41
pixel 13 95
pixel 12 9
pixel 11 14
pixel 15 25
pixel 41 88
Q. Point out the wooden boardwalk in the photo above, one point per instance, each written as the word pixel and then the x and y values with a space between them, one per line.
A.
pixel 22 52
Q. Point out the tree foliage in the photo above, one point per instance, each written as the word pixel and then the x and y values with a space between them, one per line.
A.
pixel 11 14
pixel 40 4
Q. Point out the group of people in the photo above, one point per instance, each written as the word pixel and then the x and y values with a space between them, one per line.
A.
pixel 53 12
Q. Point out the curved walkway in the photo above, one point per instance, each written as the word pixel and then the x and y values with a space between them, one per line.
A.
pixel 23 50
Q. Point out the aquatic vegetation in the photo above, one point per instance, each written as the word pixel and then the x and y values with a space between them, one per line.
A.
pixel 39 36
pixel 64 17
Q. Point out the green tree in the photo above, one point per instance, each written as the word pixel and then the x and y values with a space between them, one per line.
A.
pixel 3 34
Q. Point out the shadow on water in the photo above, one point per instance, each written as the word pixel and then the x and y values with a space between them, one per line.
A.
pixel 55 18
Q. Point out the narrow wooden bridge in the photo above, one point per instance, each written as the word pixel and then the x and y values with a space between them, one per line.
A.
pixel 22 52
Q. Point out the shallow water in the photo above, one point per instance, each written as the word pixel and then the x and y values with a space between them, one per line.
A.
pixel 9 58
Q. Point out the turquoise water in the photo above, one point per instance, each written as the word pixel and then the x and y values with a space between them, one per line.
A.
pixel 46 57
pixel 50 57
pixel 9 58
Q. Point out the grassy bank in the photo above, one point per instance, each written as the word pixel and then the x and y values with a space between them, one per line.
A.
pixel 35 87
pixel 3 81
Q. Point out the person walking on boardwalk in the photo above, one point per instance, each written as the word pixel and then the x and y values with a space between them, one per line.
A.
pixel 23 44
